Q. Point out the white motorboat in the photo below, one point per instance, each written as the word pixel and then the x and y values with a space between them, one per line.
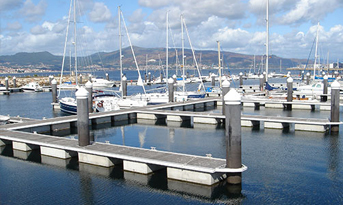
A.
pixel 4 119
pixel 2 87
pixel 68 105
pixel 32 87
pixel 102 83
pixel 314 89
pixel 110 102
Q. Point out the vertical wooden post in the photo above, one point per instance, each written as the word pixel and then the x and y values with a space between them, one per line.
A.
pixel 82 117
pixel 233 135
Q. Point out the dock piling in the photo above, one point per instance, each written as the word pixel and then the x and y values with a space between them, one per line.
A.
pixel 324 98
pixel 89 88
pixel 82 117
pixel 80 79
pixel 240 79
pixel 289 92
pixel 335 88
pixel 174 78
pixel 171 89
pixel 50 79
pixel 233 135
pixel 6 83
pixel 261 82
pixel 54 90
pixel 124 81
pixel 213 78
pixel 225 90
pixel 14 82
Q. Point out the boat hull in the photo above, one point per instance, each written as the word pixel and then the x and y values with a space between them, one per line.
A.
pixel 68 108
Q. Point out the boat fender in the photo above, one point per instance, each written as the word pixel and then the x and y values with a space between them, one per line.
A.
pixel 100 104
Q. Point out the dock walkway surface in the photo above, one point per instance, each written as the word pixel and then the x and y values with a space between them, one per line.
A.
pixel 203 169
pixel 152 156
pixel 178 111
pixel 207 170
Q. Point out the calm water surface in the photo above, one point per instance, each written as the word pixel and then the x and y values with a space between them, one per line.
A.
pixel 284 167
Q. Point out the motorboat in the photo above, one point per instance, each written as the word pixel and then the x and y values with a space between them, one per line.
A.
pixel 102 83
pixel 67 86
pixel 311 90
pixel 2 87
pixel 68 105
pixel 32 87
pixel 4 119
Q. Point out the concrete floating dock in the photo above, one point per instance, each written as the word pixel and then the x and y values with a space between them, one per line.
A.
pixel 190 168
pixel 300 105
pixel 174 112
pixel 26 136
pixel 272 122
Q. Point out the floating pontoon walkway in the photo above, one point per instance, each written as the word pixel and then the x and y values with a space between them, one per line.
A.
pixel 197 169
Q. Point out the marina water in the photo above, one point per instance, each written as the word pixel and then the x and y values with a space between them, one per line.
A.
pixel 284 167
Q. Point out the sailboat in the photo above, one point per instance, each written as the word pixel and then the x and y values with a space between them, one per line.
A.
pixel 200 93
pixel 110 102
pixel 69 104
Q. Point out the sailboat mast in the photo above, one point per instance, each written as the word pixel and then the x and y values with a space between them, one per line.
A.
pixel 134 56
pixel 220 70
pixel 327 62
pixel 65 46
pixel 167 54
pixel 267 40
pixel 120 53
pixel 254 63
pixel 146 63
pixel 315 54
pixel 183 55
pixel 75 47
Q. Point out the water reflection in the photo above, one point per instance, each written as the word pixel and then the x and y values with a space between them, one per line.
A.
pixel 86 186
pixel 333 157
pixel 171 135
pixel 33 156
pixel 141 136
pixel 122 134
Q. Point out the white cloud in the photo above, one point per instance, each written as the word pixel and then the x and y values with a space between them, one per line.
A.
pixel 290 12
pixel 154 3
pixel 6 5
pixel 196 11
pixel 235 23
pixel 33 12
pixel 100 13
pixel 137 16
pixel 38 30
pixel 14 26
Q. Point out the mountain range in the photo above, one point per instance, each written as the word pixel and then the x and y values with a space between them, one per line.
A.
pixel 151 56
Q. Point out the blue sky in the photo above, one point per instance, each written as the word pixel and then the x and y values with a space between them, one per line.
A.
pixel 40 25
